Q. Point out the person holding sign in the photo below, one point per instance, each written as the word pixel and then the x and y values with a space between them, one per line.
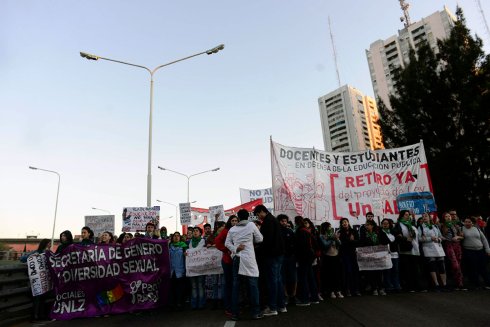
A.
pixel 198 297
pixel 372 237
pixel 431 239
pixel 39 308
pixel 240 241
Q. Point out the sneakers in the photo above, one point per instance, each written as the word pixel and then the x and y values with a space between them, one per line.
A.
pixel 234 318
pixel 268 312
pixel 333 296
pixel 320 297
pixel 315 302
pixel 259 316
pixel 382 292
pixel 375 292
pixel 339 295
pixel 282 310
pixel 302 304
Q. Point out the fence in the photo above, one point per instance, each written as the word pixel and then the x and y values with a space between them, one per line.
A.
pixel 15 293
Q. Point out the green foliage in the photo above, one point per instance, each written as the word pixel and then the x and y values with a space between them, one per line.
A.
pixel 444 100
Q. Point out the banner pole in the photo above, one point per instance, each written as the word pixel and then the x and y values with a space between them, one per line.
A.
pixel 272 177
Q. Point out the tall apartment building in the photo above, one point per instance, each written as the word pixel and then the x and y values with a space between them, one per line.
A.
pixel 349 121
pixel 386 56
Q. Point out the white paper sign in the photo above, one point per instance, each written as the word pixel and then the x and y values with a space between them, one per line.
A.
pixel 39 274
pixel 185 213
pixel 374 257
pixel 216 211
pixel 203 261
pixel 100 224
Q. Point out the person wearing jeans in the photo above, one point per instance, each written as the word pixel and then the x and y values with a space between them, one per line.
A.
pixel 271 252
pixel 226 262
pixel 240 241
pixel 305 254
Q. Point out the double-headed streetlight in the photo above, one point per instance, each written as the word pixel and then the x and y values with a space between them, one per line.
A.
pixel 101 210
pixel 188 176
pixel 152 72
pixel 57 195
pixel 176 214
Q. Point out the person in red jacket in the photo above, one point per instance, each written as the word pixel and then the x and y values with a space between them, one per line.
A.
pixel 226 262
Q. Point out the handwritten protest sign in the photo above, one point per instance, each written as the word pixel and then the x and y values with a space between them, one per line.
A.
pixel 185 213
pixel 203 261
pixel 136 218
pixel 39 274
pixel 216 211
pixel 374 257
pixel 100 224
pixel 102 279
pixel 326 186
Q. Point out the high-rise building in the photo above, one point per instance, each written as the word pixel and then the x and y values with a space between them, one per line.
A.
pixel 386 56
pixel 349 121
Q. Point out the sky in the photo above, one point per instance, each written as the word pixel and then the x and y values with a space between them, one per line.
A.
pixel 88 120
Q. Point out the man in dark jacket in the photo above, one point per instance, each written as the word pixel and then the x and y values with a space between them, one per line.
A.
pixel 271 252
pixel 289 262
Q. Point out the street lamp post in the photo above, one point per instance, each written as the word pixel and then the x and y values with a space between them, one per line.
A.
pixel 176 213
pixel 152 72
pixel 57 195
pixel 102 210
pixel 188 176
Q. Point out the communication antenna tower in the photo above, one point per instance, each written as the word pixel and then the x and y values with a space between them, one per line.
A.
pixel 406 17
pixel 334 52
pixel 483 18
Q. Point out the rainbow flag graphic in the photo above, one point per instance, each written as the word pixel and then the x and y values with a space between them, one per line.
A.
pixel 111 296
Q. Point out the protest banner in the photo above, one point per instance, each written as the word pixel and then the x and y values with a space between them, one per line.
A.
pixel 249 206
pixel 265 194
pixel 376 257
pixel 203 261
pixel 97 280
pixel 39 274
pixel 326 186
pixel 200 216
pixel 216 213
pixel 100 224
pixel 416 202
pixel 136 218
pixel 185 213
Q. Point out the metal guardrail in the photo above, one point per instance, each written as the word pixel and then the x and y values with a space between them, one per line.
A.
pixel 15 293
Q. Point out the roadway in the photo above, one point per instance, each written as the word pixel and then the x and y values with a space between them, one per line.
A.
pixel 470 309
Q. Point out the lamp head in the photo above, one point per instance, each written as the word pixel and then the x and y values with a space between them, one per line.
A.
pixel 215 169
pixel 215 49
pixel 89 56
pixel 30 167
pixel 159 167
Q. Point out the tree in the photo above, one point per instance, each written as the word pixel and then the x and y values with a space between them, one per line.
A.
pixel 444 100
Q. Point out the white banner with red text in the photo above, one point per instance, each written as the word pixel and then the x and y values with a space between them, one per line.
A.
pixel 327 186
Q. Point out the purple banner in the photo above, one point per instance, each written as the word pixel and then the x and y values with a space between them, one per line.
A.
pixel 108 279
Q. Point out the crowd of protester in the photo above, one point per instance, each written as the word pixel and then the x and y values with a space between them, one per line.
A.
pixel 271 263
